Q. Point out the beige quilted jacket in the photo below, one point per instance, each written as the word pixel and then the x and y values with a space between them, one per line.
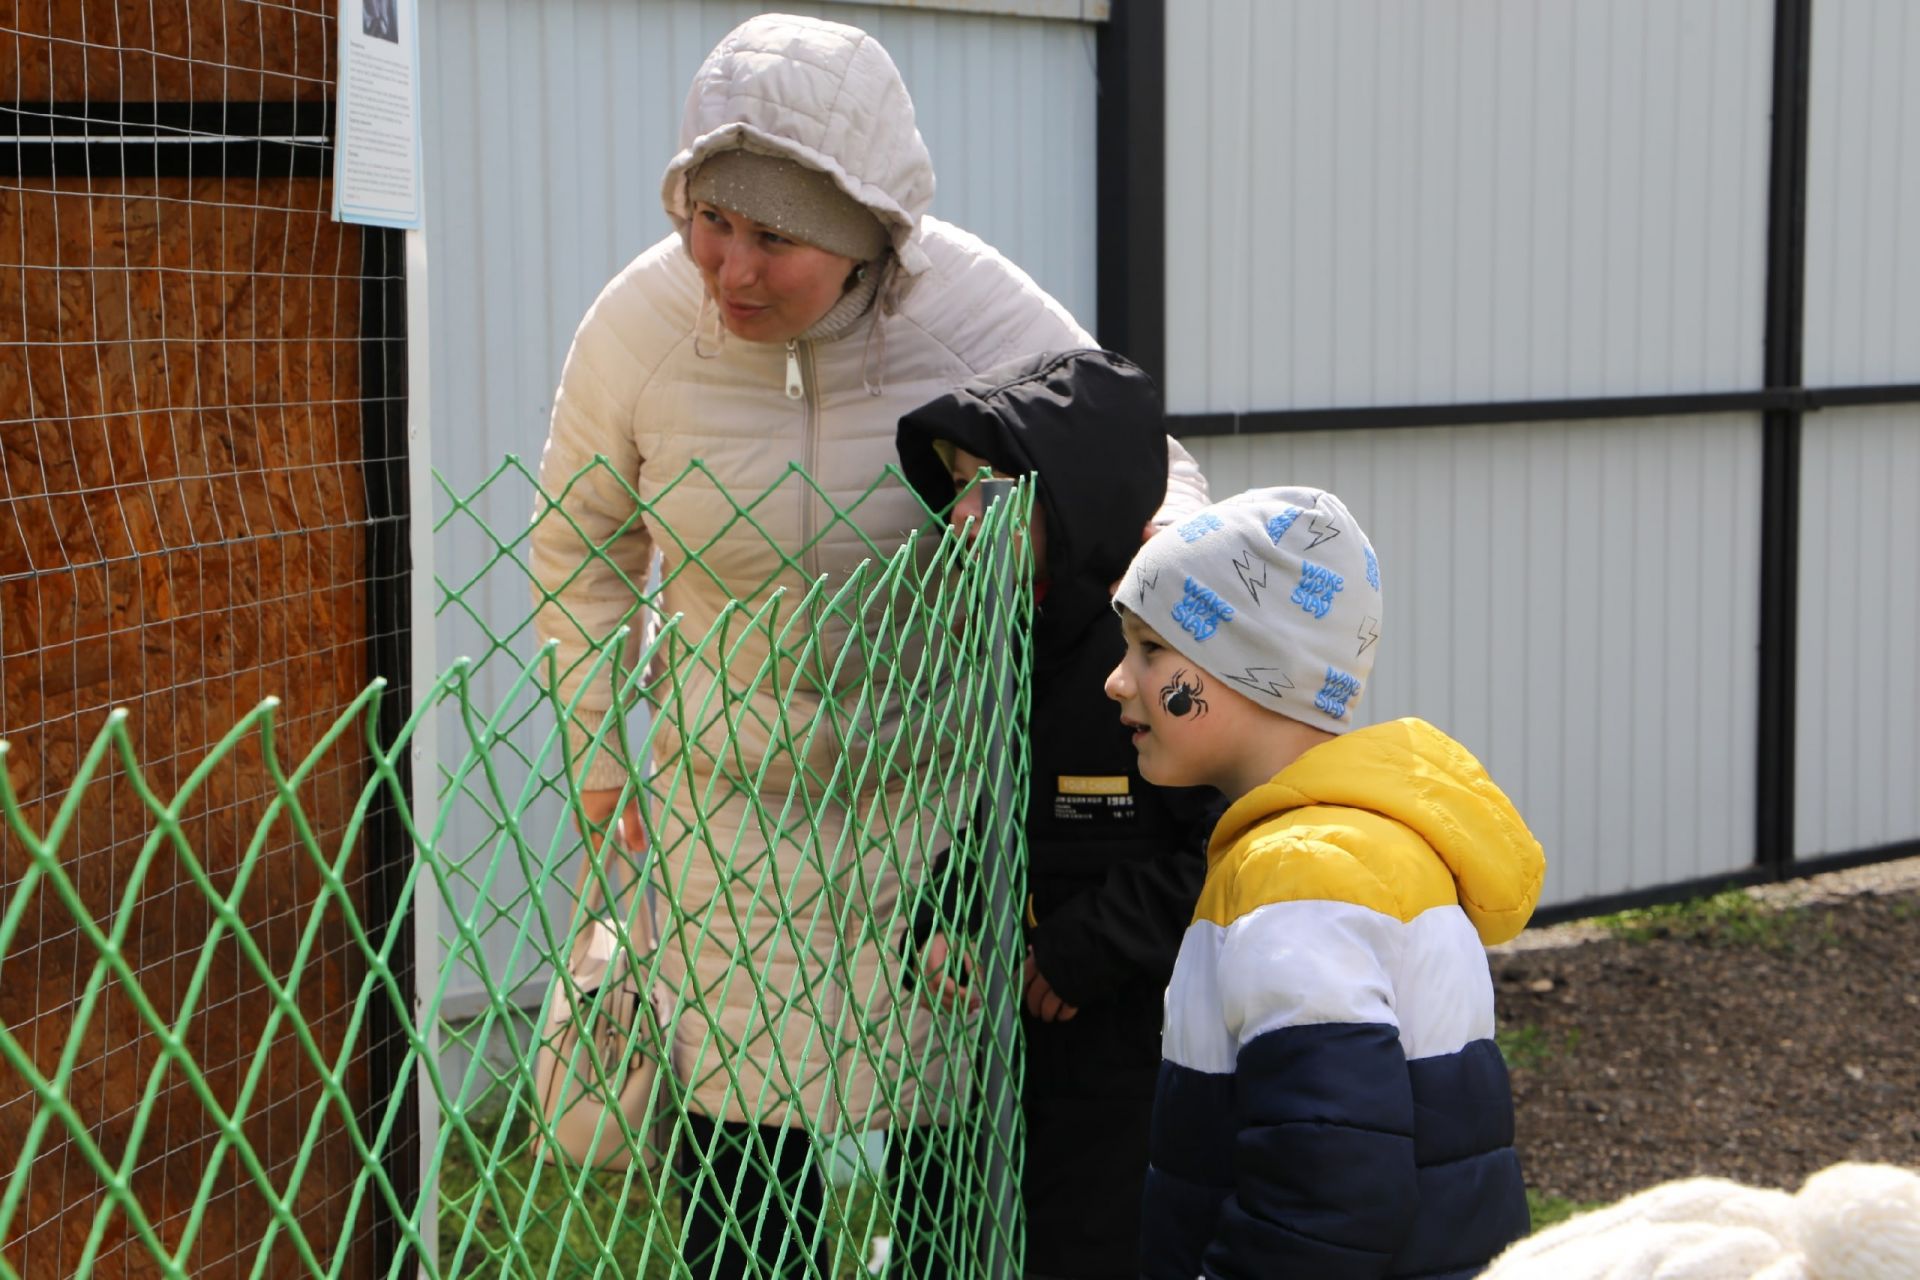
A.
pixel 788 1011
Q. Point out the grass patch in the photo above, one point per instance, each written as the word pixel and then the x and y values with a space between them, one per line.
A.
pixel 506 1213
pixel 1530 1047
pixel 1547 1210
pixel 1729 918
pixel 502 1212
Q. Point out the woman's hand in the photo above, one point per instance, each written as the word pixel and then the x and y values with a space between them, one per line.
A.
pixel 596 808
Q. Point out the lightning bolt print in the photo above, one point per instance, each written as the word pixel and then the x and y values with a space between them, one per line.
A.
pixel 1321 530
pixel 1254 585
pixel 1369 632
pixel 1146 583
pixel 1268 680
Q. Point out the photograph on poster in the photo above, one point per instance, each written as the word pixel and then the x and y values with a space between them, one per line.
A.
pixel 378 19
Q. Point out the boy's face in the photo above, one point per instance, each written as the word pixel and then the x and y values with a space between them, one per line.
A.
pixel 970 504
pixel 1183 720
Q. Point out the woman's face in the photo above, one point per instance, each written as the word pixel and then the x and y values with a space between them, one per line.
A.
pixel 768 288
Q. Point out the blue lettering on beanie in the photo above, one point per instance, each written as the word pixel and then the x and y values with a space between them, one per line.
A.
pixel 1373 569
pixel 1278 526
pixel 1200 612
pixel 1318 586
pixel 1199 527
pixel 1336 692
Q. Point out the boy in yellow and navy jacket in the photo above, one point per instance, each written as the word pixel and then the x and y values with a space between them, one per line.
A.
pixel 1331 1102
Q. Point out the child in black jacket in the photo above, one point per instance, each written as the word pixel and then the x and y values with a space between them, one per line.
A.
pixel 1115 863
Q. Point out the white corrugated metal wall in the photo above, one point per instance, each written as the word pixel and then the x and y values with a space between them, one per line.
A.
pixel 1858 700
pixel 1467 201
pixel 1858 704
pixel 1378 203
pixel 546 129
pixel 1863 195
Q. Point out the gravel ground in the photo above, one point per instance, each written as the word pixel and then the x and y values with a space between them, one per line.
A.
pixel 1761 1038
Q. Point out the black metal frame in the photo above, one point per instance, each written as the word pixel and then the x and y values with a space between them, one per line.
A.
pixel 1785 400
pixel 167 139
pixel 1780 448
pixel 1131 156
pixel 279 140
pixel 1132 318
pixel 1707 886
pixel 389 848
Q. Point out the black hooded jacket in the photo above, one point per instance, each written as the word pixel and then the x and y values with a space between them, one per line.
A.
pixel 1116 863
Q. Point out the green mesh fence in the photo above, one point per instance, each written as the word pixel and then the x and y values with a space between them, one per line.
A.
pixel 609 1054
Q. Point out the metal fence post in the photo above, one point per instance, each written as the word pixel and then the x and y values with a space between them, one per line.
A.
pixel 1001 855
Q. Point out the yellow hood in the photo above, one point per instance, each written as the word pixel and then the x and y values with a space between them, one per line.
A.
pixel 1409 772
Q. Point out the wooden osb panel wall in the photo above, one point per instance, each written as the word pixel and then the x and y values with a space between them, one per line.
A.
pixel 167 50
pixel 183 533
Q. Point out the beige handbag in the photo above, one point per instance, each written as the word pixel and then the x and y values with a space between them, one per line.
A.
pixel 589 1078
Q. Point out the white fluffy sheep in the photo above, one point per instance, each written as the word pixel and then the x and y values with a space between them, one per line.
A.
pixel 1849 1222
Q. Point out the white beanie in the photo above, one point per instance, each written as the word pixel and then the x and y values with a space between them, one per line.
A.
pixel 1276 591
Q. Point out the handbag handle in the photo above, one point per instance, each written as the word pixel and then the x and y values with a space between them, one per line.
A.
pixel 586 885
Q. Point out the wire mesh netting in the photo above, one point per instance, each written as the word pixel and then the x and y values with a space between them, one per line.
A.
pixel 189 521
pixel 726 1038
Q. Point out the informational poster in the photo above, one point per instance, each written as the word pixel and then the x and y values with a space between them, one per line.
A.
pixel 376 136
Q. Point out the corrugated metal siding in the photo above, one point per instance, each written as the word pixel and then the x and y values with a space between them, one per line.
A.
pixel 546 130
pixel 1863 194
pixel 1462 200
pixel 1577 603
pixel 1857 741
pixel 1858 710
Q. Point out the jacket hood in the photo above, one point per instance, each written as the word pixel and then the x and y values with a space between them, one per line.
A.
pixel 1087 422
pixel 824 94
pixel 1414 774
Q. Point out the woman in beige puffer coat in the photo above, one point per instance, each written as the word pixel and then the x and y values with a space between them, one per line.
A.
pixel 803 303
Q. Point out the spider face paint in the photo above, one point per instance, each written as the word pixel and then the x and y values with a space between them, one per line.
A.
pixel 1178 739
pixel 1182 695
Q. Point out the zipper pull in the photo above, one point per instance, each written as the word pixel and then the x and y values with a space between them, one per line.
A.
pixel 795 387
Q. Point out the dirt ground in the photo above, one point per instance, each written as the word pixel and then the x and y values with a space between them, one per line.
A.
pixel 1756 1044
